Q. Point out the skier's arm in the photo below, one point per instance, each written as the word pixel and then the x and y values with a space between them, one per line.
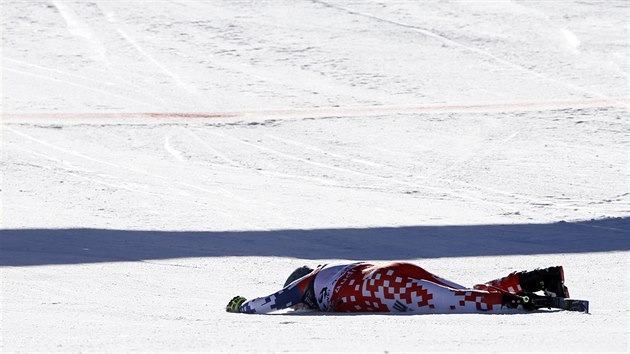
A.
pixel 293 294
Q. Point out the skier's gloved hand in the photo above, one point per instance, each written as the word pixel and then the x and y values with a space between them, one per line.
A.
pixel 235 304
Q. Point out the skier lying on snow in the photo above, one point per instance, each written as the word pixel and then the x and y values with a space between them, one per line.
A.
pixel 401 287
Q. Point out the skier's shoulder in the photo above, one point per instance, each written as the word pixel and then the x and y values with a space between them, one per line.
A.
pixel 340 266
pixel 329 273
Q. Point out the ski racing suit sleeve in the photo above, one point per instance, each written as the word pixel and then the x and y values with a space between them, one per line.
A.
pixel 300 291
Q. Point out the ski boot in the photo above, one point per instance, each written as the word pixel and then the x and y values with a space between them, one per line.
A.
pixel 549 280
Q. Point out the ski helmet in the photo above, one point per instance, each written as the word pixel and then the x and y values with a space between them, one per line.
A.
pixel 297 274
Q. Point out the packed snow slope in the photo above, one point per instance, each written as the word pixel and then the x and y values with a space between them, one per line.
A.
pixel 161 157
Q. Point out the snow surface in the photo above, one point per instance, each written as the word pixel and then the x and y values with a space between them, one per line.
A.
pixel 160 157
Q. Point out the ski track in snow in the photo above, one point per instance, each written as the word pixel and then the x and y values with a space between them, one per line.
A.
pixel 186 87
pixel 167 196
pixel 570 37
pixel 209 147
pixel 239 166
pixel 81 29
pixel 61 149
pixel 190 89
pixel 179 155
pixel 168 182
pixel 74 171
pixel 325 152
pixel 455 194
pixel 436 176
pixel 474 155
pixel 95 85
pixel 465 47
pixel 175 153
pixel 56 71
pixel 81 86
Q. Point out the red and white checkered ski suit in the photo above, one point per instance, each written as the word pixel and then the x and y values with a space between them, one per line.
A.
pixel 392 287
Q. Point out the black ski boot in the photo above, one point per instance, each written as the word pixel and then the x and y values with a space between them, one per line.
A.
pixel 549 280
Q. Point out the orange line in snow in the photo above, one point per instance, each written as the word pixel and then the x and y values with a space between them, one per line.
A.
pixel 331 111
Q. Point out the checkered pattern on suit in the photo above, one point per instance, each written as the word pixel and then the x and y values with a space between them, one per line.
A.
pixel 405 287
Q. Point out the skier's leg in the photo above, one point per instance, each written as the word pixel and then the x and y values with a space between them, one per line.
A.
pixel 510 284
pixel 403 287
pixel 429 297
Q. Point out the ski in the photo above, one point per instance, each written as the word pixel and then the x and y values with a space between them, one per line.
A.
pixel 560 303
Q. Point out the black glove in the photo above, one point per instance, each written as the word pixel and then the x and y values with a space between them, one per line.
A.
pixel 235 304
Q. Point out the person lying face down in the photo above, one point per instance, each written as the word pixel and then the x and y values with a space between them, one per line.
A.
pixel 401 287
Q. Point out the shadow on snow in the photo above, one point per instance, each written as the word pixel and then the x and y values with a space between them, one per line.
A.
pixel 25 247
